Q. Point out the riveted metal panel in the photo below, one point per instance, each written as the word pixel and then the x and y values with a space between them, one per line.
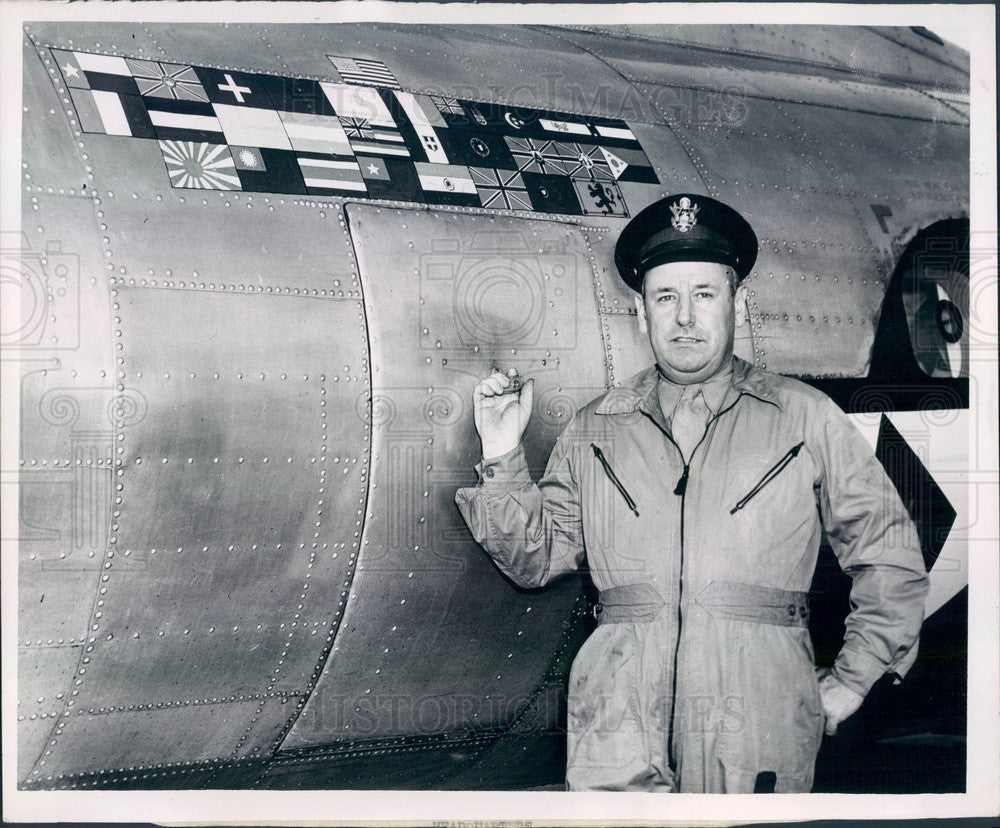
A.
pixel 153 740
pixel 797 296
pixel 671 162
pixel 712 84
pixel 103 38
pixel 226 44
pixel 544 69
pixel 369 766
pixel 468 290
pixel 877 162
pixel 899 101
pixel 40 698
pixel 289 49
pixel 225 483
pixel 48 154
pixel 804 48
pixel 32 740
pixel 231 467
pixel 240 243
pixel 65 445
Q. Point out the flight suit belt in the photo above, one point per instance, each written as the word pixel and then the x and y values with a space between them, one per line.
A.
pixel 728 599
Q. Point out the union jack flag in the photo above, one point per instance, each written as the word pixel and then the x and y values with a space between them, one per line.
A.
pixel 584 161
pixel 447 106
pixel 536 156
pixel 501 189
pixel 358 128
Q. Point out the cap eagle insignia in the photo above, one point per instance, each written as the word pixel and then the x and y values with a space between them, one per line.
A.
pixel 685 215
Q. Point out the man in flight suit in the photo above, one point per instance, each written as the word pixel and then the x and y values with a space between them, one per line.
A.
pixel 699 491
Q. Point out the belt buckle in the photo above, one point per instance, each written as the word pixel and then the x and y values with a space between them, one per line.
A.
pixel 597 610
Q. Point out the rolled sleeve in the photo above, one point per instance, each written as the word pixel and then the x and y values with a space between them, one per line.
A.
pixel 876 544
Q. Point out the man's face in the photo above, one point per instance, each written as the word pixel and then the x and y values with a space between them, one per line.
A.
pixel 690 313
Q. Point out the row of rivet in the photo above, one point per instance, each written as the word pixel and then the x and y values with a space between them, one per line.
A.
pixel 578 614
pixel 56 462
pixel 812 319
pixel 477 739
pixel 766 94
pixel 153 40
pixel 598 286
pixel 322 663
pixel 850 71
pixel 831 170
pixel 276 290
pixel 255 760
pixel 693 157
pixel 88 647
pixel 287 643
pixel 482 98
pixel 352 746
pixel 128 708
pixel 73 780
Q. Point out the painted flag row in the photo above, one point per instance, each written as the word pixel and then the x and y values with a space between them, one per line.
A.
pixel 221 129
pixel 192 165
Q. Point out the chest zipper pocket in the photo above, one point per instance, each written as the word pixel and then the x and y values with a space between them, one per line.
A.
pixel 771 473
pixel 614 479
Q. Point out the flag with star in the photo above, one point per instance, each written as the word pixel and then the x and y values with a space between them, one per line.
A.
pixel 360 135
pixel 69 66
pixel 390 178
pixel 166 80
pixel 501 189
pixel 106 73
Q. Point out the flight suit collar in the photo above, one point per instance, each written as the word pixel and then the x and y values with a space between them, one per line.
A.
pixel 640 392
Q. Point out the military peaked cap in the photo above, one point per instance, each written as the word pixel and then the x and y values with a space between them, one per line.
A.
pixel 685 227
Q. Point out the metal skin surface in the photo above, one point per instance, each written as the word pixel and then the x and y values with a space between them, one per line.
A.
pixel 245 414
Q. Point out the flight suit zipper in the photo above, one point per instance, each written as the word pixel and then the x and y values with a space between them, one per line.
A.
pixel 614 479
pixel 681 491
pixel 769 475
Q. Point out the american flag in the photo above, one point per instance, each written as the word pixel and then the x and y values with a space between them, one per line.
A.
pixel 364 72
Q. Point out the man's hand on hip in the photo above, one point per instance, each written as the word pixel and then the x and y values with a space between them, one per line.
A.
pixel 839 701
pixel 502 409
